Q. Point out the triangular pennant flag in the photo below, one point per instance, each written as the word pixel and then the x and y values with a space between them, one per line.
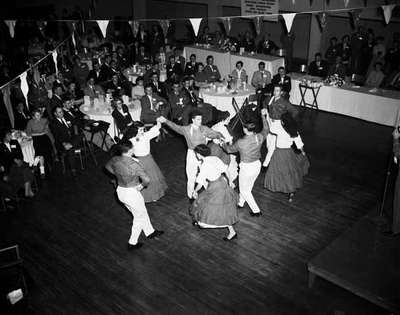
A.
pixel 7 102
pixel 165 26
pixel 54 53
pixel 227 25
pixel 294 2
pixel 387 12
pixel 257 24
pixel 346 3
pixel 288 17
pixel 73 40
pixel 135 27
pixel 103 26
pixel 355 18
pixel 24 86
pixel 11 27
pixel 323 21
pixel 196 25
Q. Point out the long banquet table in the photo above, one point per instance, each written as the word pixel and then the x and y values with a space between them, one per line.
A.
pixel 226 61
pixel 378 106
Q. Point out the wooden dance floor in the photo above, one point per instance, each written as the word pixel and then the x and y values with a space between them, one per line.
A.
pixel 73 237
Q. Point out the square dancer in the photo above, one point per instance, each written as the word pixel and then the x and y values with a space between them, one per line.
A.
pixel 194 134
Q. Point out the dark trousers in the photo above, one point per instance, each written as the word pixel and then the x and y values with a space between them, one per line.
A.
pixel 396 205
pixel 70 154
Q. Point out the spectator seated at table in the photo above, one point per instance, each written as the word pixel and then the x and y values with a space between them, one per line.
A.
pixel 148 71
pixel 95 73
pixel 55 100
pixel 261 78
pixel 80 71
pixel 248 42
pixel 43 140
pixel 266 46
pixel 332 51
pixel 338 68
pixel 114 87
pixel 143 56
pixel 122 58
pixel 12 166
pixel 73 114
pixel 92 89
pixel 191 66
pixel 158 87
pixel 189 91
pixel 153 106
pixel 137 92
pixel 318 67
pixel 211 71
pixel 375 77
pixel 74 93
pixel 283 80
pixel 105 69
pixel 177 101
pixel 174 70
pixel 205 37
pixel 65 139
pixel 121 115
pixel 21 117
pixel 238 74
pixel 200 76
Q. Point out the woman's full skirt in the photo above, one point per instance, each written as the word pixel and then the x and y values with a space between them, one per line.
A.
pixel 216 205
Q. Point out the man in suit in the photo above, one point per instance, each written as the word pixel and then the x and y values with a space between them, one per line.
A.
pixel 158 87
pixel 93 90
pixel 153 106
pixel 115 87
pixel 188 90
pixel 191 66
pixel 284 81
pixel 177 101
pixel 56 100
pixel 95 73
pixel 105 70
pixel 64 136
pixel 266 46
pixel 174 70
pixel 122 117
pixel 261 78
pixel 318 67
pixel 211 71
pixel 338 68
pixel 21 117
pixel 80 71
pixel 179 59
pixel 74 115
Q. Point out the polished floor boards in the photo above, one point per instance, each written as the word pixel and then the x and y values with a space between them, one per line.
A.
pixel 73 236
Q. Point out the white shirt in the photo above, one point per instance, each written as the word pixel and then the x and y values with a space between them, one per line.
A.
pixel 220 127
pixel 141 144
pixel 210 170
pixel 283 139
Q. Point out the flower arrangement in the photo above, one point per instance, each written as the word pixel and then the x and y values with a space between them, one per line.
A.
pixel 311 83
pixel 334 80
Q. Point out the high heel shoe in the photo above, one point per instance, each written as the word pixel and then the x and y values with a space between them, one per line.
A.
pixel 230 239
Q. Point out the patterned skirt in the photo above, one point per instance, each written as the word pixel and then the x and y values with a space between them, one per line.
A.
pixel 217 205
pixel 157 186
pixel 286 171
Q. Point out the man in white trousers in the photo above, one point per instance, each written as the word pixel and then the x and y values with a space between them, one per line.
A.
pixel 249 168
pixel 131 180
pixel 277 105
pixel 194 134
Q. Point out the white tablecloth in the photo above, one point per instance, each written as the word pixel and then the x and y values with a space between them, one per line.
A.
pixel 103 112
pixel 223 101
pixel 381 107
pixel 132 76
pixel 226 62
pixel 28 151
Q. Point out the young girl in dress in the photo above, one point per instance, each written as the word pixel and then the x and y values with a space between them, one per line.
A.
pixel 141 150
pixel 289 163
pixel 216 206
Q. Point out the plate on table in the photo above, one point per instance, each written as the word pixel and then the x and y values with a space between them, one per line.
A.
pixel 356 86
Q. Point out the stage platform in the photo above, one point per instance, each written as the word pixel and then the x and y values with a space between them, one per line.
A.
pixel 363 261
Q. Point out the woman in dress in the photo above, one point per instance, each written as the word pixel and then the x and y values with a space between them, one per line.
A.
pixel 289 163
pixel 141 149
pixel 38 129
pixel 137 93
pixel 216 206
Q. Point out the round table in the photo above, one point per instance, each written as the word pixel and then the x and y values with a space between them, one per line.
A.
pixel 102 111
pixel 222 98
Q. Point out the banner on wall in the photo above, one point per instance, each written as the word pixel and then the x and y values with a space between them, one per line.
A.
pixel 11 27
pixel 261 7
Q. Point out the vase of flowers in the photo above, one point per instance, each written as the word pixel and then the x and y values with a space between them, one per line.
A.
pixel 334 80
